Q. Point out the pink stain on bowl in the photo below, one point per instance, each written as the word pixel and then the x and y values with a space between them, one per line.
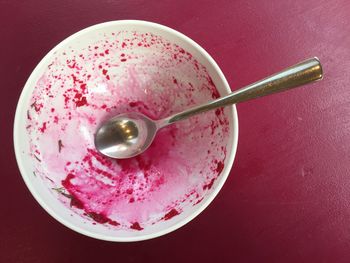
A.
pixel 126 71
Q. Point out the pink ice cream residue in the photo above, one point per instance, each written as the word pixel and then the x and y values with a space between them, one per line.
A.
pixel 121 72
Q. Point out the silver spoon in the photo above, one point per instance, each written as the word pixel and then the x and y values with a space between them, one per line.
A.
pixel 129 134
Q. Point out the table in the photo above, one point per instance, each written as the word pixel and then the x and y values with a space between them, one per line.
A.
pixel 287 198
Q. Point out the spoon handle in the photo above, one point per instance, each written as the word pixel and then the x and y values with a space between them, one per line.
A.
pixel 300 74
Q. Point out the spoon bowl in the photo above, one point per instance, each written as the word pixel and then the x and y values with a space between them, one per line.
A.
pixel 125 135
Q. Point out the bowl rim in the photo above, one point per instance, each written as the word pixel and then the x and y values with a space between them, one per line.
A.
pixel 27 180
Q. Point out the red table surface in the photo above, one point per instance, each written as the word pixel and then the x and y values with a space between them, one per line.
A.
pixel 287 198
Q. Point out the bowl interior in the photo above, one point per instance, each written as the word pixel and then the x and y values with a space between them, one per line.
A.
pixel 109 69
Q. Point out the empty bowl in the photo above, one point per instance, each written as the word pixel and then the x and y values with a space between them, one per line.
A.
pixel 105 70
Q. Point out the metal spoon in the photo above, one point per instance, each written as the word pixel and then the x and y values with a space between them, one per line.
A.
pixel 129 134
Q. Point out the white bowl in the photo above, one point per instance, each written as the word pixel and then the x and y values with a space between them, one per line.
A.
pixel 104 70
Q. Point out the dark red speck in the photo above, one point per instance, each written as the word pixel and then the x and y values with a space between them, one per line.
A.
pixel 107 51
pixel 81 102
pixel 136 226
pixel 196 65
pixel 55 119
pixel 215 94
pixel 99 217
pixel 123 60
pixel 173 212
pixel 75 79
pixel 123 45
pixel 220 167
pixel 83 87
pixel 104 71
pixel 138 104
pixel 113 223
pixel 74 201
pixel 211 82
pixel 209 185
pixel 198 201
pixel 43 128
pixel 71 65
pixel 37 106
